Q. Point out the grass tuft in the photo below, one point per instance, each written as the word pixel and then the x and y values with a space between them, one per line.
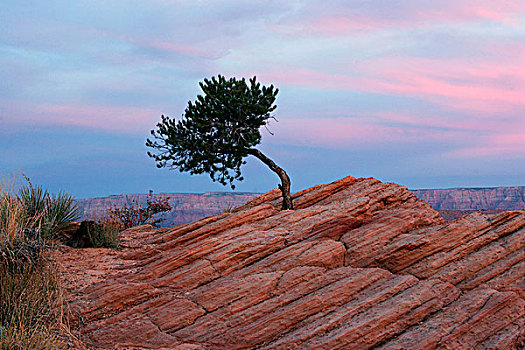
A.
pixel 30 306
pixel 31 302
pixel 104 234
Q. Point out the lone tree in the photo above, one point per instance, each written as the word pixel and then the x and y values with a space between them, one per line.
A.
pixel 218 131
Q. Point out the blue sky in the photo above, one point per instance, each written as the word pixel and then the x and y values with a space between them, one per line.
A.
pixel 426 94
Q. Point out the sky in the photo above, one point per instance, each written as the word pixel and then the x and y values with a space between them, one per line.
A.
pixel 427 94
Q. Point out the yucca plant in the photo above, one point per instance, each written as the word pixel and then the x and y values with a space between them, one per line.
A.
pixel 59 212
pixel 33 200
pixel 45 214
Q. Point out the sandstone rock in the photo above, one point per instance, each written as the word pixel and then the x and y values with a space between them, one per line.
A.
pixel 359 264
pixel 464 322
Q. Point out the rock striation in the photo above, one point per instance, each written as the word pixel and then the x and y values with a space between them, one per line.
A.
pixel 359 264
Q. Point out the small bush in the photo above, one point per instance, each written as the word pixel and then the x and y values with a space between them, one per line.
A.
pixel 227 207
pixel 101 234
pixel 134 214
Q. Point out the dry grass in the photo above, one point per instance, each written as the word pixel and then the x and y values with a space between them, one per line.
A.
pixel 104 234
pixel 32 313
pixel 31 307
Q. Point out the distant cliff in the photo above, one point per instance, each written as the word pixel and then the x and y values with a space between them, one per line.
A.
pixel 496 198
pixel 187 207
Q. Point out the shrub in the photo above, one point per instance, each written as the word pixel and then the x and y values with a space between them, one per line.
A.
pixel 134 214
pixel 96 235
pixel 227 208
pixel 105 232
pixel 105 235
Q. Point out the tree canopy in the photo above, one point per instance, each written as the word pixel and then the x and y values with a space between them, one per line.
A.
pixel 217 131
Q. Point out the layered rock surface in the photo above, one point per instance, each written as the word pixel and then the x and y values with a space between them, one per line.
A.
pixel 359 264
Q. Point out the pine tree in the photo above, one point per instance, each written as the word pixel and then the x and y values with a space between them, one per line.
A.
pixel 218 131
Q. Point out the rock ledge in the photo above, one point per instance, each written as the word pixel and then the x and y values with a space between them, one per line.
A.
pixel 359 264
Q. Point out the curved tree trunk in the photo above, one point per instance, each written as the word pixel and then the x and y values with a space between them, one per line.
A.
pixel 285 180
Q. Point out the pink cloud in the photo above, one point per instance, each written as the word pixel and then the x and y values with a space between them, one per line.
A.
pixel 328 26
pixel 492 10
pixel 487 85
pixel 208 50
pixel 345 19
pixel 123 120
pixel 503 145
pixel 400 83
pixel 494 85
pixel 431 120
pixel 481 88
pixel 194 51
pixel 469 138
pixel 342 132
pixel 486 137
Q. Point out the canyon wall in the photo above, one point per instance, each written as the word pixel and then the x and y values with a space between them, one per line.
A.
pixel 496 198
pixel 189 207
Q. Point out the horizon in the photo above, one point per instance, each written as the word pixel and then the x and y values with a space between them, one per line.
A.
pixel 260 193
pixel 424 94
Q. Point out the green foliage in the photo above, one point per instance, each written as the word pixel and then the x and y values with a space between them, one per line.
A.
pixel 45 214
pixel 217 130
pixel 33 200
pixel 103 235
pixel 60 211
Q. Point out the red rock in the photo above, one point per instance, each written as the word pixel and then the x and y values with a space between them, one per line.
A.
pixel 359 264
pixel 463 324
